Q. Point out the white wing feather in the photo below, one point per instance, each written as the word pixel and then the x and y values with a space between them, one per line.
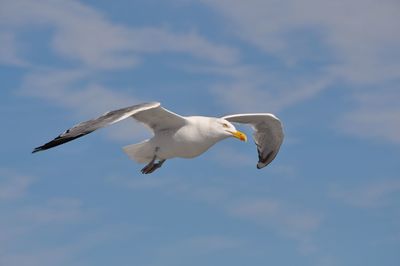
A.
pixel 151 114
pixel 268 134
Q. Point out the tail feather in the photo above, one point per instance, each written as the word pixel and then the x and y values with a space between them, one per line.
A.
pixel 139 152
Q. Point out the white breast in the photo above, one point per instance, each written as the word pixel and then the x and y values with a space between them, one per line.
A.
pixel 188 141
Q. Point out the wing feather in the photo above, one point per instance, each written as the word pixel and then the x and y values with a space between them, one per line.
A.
pixel 151 114
pixel 268 134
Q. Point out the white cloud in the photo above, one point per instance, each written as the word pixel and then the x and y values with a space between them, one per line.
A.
pixel 356 42
pixel 84 34
pixel 42 257
pixel 72 89
pixel 28 229
pixel 13 186
pixel 62 210
pixel 289 220
pixel 231 157
pixel 371 195
pixel 79 31
pixel 379 124
pixel 8 50
pixel 142 183
pixel 377 115
pixel 151 40
pixel 50 232
pixel 269 95
pixel 41 254
pixel 359 35
pixel 269 212
pixel 250 88
pixel 199 246
pixel 238 71
pixel 184 251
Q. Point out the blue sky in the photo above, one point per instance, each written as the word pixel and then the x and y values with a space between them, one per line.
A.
pixel 329 69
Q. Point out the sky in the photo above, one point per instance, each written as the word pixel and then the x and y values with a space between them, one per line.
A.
pixel 330 70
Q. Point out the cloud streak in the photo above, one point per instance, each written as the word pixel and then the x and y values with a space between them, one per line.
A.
pixel 83 34
pixel 72 89
pixel 9 50
pixel 376 116
pixel 356 33
pixel 197 246
pixel 252 96
pixel 292 222
pixel 373 195
pixel 14 186
pixel 355 43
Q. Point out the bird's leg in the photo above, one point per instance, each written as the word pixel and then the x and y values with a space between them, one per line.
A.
pixel 152 166
pixel 157 165
pixel 149 166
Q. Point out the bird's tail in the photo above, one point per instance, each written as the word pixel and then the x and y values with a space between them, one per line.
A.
pixel 139 152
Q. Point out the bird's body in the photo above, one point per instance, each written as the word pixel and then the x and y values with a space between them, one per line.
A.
pixel 188 141
pixel 179 136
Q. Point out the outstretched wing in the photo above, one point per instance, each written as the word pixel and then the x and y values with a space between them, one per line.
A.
pixel 268 134
pixel 151 114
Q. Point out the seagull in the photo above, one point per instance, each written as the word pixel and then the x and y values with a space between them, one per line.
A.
pixel 181 136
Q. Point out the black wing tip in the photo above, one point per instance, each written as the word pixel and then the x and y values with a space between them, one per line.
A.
pixel 263 161
pixel 36 150
pixel 56 142
pixel 48 145
pixel 261 165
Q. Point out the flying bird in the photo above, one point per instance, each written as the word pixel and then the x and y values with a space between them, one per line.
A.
pixel 181 136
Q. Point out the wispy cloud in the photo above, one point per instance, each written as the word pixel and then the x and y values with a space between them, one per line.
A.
pixel 73 90
pixel 9 50
pixel 356 34
pixel 141 183
pixel 267 96
pixel 84 34
pixel 376 116
pixel 270 211
pixel 29 217
pixel 14 186
pixel 29 231
pixel 42 257
pixel 67 252
pixel 355 44
pixel 59 210
pixel 185 250
pixel 155 40
pixel 232 157
pixel 289 220
pixel 252 88
pixel 372 195
pixel 34 234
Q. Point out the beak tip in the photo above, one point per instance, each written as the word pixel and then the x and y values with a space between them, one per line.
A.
pixel 240 135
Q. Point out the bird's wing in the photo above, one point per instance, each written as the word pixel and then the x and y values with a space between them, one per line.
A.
pixel 151 114
pixel 268 134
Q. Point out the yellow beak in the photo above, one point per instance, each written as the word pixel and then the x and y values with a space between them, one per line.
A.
pixel 239 135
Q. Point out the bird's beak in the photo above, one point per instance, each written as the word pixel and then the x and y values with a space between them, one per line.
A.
pixel 239 135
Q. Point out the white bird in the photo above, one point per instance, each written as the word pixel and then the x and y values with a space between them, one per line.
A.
pixel 181 136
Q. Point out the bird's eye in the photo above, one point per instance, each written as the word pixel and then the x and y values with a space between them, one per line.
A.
pixel 225 125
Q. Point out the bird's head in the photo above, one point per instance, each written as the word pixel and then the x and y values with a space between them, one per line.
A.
pixel 227 129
